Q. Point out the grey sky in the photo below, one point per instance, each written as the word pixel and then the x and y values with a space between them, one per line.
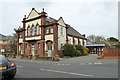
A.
pixel 95 17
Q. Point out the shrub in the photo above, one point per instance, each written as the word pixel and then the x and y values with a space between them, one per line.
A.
pixel 69 50
pixel 80 48
pixel 77 53
pixel 85 51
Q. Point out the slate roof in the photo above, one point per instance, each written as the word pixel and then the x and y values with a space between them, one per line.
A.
pixel 2 37
pixel 71 30
pixel 49 19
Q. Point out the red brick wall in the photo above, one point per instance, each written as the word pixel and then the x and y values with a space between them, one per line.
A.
pixel 111 52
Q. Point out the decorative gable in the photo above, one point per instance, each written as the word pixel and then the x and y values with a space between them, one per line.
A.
pixel 61 21
pixel 33 14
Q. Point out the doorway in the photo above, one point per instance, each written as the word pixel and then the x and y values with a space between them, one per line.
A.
pixel 32 49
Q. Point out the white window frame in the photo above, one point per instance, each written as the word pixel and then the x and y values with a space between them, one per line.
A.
pixel 28 31
pixel 32 30
pixel 37 30
pixel 61 31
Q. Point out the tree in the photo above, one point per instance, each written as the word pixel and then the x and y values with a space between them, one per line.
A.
pixel 96 39
pixel 12 42
pixel 112 39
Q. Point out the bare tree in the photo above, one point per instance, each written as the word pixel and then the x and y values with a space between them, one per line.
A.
pixel 96 39
pixel 12 42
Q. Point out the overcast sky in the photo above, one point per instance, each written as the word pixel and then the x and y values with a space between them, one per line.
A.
pixel 98 17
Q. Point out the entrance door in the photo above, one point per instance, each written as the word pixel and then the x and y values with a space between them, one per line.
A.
pixel 49 50
pixel 21 50
pixel 32 48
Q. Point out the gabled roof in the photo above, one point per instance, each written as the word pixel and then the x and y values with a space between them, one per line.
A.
pixel 49 19
pixel 72 31
pixel 33 14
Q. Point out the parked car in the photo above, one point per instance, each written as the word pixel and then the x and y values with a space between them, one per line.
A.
pixel 7 67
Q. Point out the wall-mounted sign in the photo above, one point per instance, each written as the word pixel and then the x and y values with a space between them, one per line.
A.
pixel 2 50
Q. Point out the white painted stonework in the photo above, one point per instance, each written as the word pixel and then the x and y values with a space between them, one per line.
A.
pixel 61 38
pixel 69 37
pixel 61 22
pixel 20 40
pixel 33 38
pixel 33 14
pixel 81 41
pixel 85 42
pixel 76 39
pixel 35 22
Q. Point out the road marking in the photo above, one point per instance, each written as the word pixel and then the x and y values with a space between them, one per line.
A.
pixel 115 62
pixel 98 63
pixel 78 74
pixel 61 64
pixel 19 66
pixel 89 63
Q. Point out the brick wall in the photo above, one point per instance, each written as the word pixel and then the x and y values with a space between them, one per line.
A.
pixel 111 52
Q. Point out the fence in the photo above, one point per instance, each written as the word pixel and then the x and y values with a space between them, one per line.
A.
pixel 111 52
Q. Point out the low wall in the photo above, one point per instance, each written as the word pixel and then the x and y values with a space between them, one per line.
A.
pixel 111 52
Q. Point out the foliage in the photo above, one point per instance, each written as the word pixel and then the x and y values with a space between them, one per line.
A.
pixel 74 51
pixel 117 46
pixel 96 39
pixel 68 50
pixel 80 48
pixel 77 53
pixel 12 42
pixel 67 57
pixel 87 50
pixel 112 39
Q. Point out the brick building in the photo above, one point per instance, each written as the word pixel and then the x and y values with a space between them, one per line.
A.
pixel 3 44
pixel 44 35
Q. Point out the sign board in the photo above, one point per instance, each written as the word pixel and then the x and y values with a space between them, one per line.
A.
pixel 2 50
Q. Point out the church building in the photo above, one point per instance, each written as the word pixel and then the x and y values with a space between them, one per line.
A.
pixel 44 36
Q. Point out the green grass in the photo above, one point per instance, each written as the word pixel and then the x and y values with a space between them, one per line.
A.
pixel 67 57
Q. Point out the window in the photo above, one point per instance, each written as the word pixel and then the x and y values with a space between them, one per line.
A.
pixel 20 35
pixel 32 30
pixel 61 30
pixel 61 45
pixel 69 41
pixel 51 30
pixel 75 42
pixel 38 45
pixel 26 45
pixel 47 31
pixel 28 31
pixel 37 30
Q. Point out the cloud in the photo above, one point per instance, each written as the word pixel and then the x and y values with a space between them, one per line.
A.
pixel 95 17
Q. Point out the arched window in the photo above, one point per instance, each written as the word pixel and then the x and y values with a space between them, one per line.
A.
pixel 37 30
pixel 28 31
pixel 32 30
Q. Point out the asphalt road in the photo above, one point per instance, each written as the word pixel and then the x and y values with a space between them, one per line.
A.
pixel 80 67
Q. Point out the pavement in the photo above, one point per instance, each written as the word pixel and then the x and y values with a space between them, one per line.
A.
pixel 78 67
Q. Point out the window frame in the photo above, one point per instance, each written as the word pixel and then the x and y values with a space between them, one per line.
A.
pixel 47 31
pixel 28 31
pixel 33 30
pixel 37 30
